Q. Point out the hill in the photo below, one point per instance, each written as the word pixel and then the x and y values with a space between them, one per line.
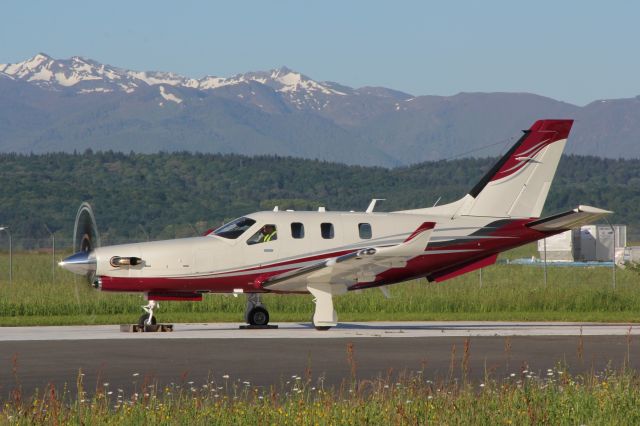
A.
pixel 50 105
pixel 168 195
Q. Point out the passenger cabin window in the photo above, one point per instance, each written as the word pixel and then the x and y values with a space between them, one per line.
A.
pixel 266 234
pixel 364 229
pixel 326 229
pixel 297 230
pixel 235 228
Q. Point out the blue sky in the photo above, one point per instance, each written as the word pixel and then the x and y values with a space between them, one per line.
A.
pixel 575 51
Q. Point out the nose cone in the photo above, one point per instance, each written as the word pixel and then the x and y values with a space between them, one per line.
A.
pixel 81 263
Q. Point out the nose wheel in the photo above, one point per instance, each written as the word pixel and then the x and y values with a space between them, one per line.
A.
pixel 147 318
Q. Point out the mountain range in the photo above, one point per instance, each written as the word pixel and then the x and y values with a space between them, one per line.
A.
pixel 51 105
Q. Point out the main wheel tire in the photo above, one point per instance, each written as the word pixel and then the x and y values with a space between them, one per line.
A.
pixel 258 316
pixel 143 320
pixel 319 327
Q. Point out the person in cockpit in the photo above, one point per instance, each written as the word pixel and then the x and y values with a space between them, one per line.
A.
pixel 269 233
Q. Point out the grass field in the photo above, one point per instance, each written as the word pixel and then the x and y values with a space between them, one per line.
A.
pixel 550 397
pixel 507 292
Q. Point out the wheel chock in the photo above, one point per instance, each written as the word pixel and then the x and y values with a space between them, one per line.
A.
pixel 155 328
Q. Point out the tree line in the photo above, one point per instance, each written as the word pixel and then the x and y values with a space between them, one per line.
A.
pixel 166 195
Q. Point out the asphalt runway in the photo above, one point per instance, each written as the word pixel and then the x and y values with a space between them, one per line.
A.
pixel 34 357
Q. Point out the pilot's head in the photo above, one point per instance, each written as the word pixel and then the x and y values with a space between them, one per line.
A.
pixel 267 229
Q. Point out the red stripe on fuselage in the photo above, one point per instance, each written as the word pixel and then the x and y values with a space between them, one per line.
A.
pixel 418 267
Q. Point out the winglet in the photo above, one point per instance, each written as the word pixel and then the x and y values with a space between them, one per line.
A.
pixel 414 245
pixel 426 226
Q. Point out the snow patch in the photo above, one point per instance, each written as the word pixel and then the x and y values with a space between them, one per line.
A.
pixel 208 83
pixel 63 80
pixel 126 88
pixel 293 81
pixel 43 74
pixel 152 78
pixel 96 90
pixel 169 97
pixel 36 61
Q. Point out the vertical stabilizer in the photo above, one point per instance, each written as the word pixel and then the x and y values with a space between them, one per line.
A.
pixel 518 184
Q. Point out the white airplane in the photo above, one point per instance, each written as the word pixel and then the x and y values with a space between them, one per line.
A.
pixel 329 253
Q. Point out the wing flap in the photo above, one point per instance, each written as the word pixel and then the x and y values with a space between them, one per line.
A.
pixel 575 218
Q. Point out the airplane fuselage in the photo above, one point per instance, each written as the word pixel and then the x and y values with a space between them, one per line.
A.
pixel 217 264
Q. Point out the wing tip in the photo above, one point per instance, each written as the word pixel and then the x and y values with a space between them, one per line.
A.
pixel 426 226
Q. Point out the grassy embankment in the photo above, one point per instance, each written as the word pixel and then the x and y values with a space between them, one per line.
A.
pixel 508 292
pixel 553 397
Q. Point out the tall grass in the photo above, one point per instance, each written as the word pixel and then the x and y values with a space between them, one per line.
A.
pixel 506 292
pixel 554 398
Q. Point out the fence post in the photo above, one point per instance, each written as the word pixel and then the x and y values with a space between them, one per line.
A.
pixel 544 242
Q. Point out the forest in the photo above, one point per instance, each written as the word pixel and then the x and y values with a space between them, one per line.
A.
pixel 166 195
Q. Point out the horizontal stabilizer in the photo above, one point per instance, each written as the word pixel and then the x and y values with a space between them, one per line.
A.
pixel 575 218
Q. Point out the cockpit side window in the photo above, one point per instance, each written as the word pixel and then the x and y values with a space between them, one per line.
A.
pixel 235 228
pixel 264 235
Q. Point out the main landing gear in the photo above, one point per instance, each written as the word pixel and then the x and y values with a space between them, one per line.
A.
pixel 324 316
pixel 256 314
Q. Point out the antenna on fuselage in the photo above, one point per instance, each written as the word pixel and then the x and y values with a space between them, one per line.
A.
pixel 275 209
pixel 372 204
pixel 437 201
pixel 322 209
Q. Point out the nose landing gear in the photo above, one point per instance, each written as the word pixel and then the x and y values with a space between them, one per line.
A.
pixel 147 318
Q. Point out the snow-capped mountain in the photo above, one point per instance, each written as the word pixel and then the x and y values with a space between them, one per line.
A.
pixel 48 105
pixel 76 73
pixel 84 76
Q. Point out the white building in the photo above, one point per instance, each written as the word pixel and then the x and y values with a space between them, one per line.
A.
pixel 587 244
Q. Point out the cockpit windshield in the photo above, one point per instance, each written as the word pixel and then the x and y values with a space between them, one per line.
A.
pixel 235 228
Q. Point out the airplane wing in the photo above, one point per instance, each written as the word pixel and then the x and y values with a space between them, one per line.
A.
pixel 568 220
pixel 356 267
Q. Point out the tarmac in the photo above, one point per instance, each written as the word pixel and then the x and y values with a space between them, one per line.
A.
pixel 342 331
pixel 198 354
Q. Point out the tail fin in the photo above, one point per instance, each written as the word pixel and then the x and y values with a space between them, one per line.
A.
pixel 518 184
